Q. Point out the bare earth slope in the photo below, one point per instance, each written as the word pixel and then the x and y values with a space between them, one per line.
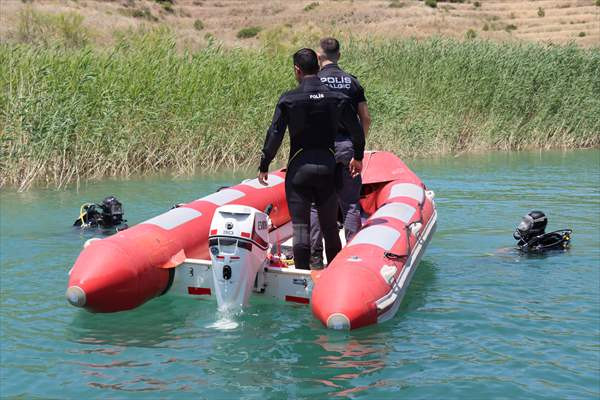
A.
pixel 196 21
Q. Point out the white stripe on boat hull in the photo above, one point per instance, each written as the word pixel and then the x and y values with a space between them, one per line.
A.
pixel 400 211
pixel 409 190
pixel 376 235
pixel 223 197
pixel 173 218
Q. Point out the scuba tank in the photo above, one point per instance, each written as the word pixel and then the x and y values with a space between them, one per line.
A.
pixel 531 234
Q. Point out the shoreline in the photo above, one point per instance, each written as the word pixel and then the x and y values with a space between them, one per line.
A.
pixel 248 172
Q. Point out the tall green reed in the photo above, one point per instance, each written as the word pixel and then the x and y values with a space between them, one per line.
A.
pixel 143 106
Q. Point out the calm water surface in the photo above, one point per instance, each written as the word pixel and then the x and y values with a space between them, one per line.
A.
pixel 479 321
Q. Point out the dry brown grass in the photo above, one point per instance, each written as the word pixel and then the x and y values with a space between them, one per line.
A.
pixel 222 19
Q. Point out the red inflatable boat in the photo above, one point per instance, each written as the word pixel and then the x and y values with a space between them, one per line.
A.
pixel 169 254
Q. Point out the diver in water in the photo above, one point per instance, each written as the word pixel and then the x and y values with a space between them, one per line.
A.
pixel 107 215
pixel 531 235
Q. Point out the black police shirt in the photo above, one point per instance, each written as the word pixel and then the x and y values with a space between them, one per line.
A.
pixel 337 79
pixel 313 112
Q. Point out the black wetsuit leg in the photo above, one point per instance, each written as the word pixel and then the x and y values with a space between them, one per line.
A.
pixel 348 195
pixel 310 178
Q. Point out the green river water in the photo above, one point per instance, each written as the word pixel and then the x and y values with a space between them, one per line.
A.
pixel 479 321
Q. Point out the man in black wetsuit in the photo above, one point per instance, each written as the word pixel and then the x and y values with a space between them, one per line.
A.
pixel 348 186
pixel 312 112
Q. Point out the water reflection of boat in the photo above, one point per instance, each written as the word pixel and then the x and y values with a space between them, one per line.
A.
pixel 350 365
pixel 169 253
pixel 350 360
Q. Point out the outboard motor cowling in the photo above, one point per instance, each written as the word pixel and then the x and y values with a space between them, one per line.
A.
pixel 238 242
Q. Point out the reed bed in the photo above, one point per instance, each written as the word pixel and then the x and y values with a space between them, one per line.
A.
pixel 73 113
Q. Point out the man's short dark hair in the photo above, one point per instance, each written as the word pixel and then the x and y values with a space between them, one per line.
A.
pixel 307 61
pixel 331 48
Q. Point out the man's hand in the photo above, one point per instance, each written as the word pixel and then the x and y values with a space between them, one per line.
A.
pixel 262 178
pixel 355 167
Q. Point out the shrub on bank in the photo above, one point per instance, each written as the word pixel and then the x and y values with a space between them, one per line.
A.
pixel 249 32
pixel 41 28
pixel 198 25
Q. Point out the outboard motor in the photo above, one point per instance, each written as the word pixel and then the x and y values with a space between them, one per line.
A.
pixel 238 242
pixel 531 234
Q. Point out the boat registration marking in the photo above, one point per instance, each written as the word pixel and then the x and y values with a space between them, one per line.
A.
pixel 173 218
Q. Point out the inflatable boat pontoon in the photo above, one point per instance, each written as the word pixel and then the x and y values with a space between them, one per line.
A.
pixel 224 247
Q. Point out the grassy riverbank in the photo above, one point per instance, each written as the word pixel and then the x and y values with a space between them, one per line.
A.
pixel 143 106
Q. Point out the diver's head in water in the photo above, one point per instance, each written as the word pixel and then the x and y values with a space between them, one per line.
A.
pixel 532 237
pixel 106 215
pixel 532 224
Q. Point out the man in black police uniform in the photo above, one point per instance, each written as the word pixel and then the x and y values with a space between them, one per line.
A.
pixel 348 186
pixel 313 112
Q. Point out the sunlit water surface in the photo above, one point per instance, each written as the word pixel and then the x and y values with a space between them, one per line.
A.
pixel 479 321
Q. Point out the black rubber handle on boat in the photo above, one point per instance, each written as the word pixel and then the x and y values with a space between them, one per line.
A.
pixel 392 256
